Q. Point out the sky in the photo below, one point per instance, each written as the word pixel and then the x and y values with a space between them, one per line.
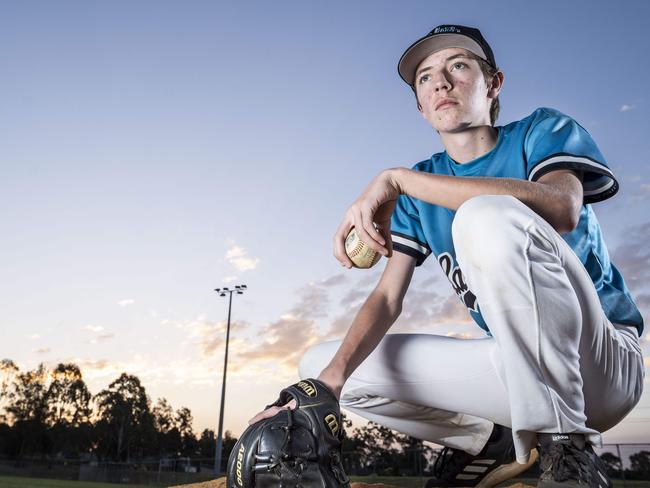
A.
pixel 152 151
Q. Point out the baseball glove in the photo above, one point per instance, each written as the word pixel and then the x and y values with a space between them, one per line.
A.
pixel 298 448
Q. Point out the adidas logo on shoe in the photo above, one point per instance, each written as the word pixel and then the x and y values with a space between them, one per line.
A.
pixel 568 460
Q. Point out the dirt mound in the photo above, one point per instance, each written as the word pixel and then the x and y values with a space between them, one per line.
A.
pixel 221 483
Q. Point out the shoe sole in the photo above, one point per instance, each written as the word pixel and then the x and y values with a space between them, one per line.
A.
pixel 507 471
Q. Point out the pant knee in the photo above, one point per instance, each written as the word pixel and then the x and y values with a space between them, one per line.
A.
pixel 485 229
pixel 480 214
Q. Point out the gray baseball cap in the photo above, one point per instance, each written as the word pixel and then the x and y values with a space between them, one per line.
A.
pixel 442 37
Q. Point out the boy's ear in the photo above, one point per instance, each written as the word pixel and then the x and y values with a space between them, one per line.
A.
pixel 497 84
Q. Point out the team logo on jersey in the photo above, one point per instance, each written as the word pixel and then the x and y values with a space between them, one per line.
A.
pixel 455 276
pixel 307 387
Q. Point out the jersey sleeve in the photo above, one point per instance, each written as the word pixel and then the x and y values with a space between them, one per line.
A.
pixel 406 231
pixel 556 141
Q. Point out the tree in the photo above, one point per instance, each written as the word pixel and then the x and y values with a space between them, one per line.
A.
pixel 169 439
pixel 28 401
pixel 163 416
pixel 125 421
pixel 374 448
pixel 228 444
pixel 27 409
pixel 68 411
pixel 612 463
pixel 67 398
pixel 184 422
pixel 207 443
pixel 640 462
pixel 378 448
pixel 8 373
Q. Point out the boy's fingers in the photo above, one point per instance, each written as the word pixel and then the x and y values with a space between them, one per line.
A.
pixel 270 412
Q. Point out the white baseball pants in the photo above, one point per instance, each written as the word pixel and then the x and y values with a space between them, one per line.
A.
pixel 555 362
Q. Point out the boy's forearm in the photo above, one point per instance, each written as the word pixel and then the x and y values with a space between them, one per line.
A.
pixel 369 326
pixel 555 203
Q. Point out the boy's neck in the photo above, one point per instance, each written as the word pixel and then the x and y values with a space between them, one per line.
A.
pixel 469 144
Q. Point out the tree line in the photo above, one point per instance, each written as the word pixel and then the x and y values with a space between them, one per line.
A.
pixel 51 413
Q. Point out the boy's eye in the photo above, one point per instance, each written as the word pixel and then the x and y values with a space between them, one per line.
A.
pixel 423 79
pixel 458 66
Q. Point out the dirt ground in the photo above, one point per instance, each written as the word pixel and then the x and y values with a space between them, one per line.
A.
pixel 221 483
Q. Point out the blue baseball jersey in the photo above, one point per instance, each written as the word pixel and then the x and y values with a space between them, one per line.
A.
pixel 545 141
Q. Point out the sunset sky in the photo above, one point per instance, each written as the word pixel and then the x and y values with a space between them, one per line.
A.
pixel 152 151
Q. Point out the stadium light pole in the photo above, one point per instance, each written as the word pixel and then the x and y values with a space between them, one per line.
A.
pixel 239 290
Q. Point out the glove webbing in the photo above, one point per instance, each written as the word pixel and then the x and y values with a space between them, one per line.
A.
pixel 294 466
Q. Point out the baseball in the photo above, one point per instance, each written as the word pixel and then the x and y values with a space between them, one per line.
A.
pixel 361 255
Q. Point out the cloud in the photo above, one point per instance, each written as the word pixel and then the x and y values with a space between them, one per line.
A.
pixel 427 310
pixel 641 194
pixel 33 337
pixel 94 328
pixel 632 257
pixel 42 350
pixel 100 333
pixel 126 302
pixel 626 108
pixel 312 302
pixel 322 310
pixel 424 309
pixel 210 336
pixel 354 297
pixel 229 279
pixel 335 280
pixel 642 300
pixel 237 256
pixel 283 343
pixel 98 373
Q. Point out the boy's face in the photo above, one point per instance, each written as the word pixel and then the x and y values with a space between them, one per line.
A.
pixel 452 91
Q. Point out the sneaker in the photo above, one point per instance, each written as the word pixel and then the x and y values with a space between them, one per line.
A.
pixel 567 460
pixel 494 464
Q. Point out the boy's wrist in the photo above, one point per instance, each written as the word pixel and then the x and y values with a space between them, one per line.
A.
pixel 334 378
pixel 396 177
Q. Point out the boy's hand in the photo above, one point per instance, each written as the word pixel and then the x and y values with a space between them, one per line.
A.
pixel 370 215
pixel 270 412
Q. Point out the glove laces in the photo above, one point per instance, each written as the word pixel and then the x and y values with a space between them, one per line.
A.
pixel 292 463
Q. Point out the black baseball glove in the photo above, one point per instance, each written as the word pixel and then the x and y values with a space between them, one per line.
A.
pixel 298 448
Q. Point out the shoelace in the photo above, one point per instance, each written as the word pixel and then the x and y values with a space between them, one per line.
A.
pixel 445 461
pixel 569 463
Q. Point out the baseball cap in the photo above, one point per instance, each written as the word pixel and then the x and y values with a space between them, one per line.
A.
pixel 442 37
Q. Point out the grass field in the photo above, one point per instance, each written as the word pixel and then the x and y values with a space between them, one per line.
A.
pixel 20 482
pixel 406 482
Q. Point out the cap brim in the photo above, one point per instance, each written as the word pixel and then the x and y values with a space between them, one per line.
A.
pixel 426 46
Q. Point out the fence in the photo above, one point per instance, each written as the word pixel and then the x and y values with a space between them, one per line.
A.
pixel 628 463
